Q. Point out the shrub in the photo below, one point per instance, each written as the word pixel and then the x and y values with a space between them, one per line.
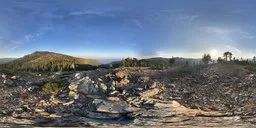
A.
pixel 55 87
pixel 206 58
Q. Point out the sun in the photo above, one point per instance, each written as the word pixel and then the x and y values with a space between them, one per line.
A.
pixel 214 53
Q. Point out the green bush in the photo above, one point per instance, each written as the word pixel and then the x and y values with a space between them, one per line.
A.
pixel 55 87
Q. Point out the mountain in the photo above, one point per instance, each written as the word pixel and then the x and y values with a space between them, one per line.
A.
pixel 5 60
pixel 50 61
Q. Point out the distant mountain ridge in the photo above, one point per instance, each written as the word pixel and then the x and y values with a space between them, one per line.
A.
pixel 49 61
pixel 153 62
pixel 5 60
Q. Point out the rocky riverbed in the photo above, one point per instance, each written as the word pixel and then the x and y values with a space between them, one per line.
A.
pixel 219 95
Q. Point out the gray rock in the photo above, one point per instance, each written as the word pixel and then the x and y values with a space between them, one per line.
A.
pixel 63 95
pixel 8 82
pixel 88 88
pixel 144 79
pixel 114 93
pixel 79 75
pixel 14 77
pixel 73 87
pixel 140 89
pixel 103 87
pixel 99 79
pixel 4 76
pixel 103 106
pixel 96 115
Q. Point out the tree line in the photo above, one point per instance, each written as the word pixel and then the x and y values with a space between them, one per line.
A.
pixel 228 57
pixel 158 63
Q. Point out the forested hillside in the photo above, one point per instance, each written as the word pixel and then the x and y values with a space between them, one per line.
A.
pixel 49 61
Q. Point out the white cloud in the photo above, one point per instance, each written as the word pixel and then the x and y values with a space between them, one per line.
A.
pixel 230 33
pixel 9 45
pixel 246 35
pixel 42 30
pixel 51 15
pixel 234 49
pixel 138 23
pixel 234 37
pixel 188 18
pixel 180 54
pixel 222 33
pixel 90 12
pixel 29 37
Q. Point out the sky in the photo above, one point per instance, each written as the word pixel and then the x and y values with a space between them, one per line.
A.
pixel 128 28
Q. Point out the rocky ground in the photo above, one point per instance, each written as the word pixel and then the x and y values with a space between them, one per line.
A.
pixel 219 95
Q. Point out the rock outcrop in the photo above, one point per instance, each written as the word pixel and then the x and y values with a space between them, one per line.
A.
pixel 133 97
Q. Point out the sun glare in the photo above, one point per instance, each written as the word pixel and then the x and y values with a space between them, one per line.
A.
pixel 214 53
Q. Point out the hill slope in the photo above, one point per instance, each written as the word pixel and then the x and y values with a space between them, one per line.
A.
pixel 49 61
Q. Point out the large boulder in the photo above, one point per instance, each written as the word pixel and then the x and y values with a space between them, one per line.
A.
pixel 88 87
pixel 103 106
pixel 122 79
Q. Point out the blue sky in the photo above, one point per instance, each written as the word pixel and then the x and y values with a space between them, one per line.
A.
pixel 122 28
